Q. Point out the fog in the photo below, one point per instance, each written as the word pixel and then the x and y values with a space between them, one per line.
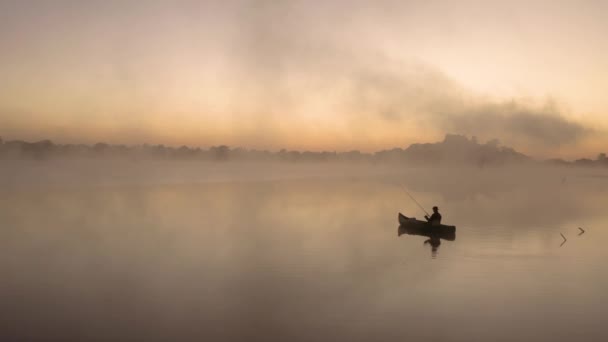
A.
pixel 157 250
pixel 295 75
pixel 551 193
pixel 234 170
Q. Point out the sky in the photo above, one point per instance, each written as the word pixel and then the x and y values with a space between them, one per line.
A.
pixel 314 75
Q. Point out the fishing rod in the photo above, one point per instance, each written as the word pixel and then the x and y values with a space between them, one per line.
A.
pixel 413 199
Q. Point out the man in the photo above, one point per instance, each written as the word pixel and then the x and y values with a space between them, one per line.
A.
pixel 435 219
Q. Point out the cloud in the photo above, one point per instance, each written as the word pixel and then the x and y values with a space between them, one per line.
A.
pixel 299 64
pixel 290 75
pixel 516 122
pixel 429 99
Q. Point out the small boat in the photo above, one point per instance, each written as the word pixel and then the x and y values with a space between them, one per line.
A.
pixel 411 226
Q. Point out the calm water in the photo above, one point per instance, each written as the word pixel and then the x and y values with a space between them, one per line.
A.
pixel 216 255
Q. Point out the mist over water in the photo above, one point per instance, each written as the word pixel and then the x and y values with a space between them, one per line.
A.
pixel 233 170
pixel 245 251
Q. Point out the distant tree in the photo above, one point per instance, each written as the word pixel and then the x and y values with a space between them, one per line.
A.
pixel 282 154
pixel 183 152
pixel 100 148
pixel 160 151
pixel 39 150
pixel 354 155
pixel 557 161
pixel 493 143
pixel 583 162
pixel 239 153
pixel 220 152
pixel 121 151
pixel 602 157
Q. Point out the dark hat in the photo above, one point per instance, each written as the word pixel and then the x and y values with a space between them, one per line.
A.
pixel 435 208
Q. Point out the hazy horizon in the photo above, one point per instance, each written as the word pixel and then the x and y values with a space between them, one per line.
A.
pixel 301 75
pixel 474 151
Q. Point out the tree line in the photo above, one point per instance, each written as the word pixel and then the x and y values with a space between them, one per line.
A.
pixel 453 149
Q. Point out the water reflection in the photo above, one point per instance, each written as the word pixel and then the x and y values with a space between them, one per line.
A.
pixel 435 242
pixel 434 238
pixel 297 260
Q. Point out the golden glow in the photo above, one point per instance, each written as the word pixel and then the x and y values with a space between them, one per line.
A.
pixel 338 76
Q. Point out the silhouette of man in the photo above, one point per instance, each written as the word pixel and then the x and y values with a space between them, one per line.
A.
pixel 435 218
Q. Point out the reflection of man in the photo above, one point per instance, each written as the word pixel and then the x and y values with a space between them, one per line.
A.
pixel 434 241
pixel 435 219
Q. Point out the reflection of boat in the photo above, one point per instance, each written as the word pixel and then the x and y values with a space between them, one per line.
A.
pixel 413 230
pixel 411 226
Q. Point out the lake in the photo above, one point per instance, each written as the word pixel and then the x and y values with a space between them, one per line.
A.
pixel 233 252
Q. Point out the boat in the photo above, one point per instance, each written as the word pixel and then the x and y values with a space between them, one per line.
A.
pixel 411 226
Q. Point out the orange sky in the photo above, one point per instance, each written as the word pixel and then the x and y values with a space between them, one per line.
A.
pixel 346 75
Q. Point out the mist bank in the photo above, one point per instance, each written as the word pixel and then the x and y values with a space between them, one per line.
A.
pixel 302 247
pixel 454 149
pixel 476 196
